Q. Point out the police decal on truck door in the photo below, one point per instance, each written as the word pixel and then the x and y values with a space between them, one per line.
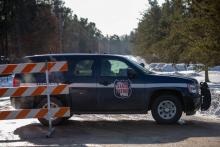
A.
pixel 116 91
pixel 122 89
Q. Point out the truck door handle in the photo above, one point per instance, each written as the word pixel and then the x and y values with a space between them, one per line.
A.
pixel 105 83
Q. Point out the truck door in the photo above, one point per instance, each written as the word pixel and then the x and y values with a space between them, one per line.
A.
pixel 83 90
pixel 116 90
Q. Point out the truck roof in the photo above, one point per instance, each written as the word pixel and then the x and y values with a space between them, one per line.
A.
pixel 75 54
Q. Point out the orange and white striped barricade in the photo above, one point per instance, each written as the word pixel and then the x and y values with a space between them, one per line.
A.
pixel 26 68
pixel 34 113
pixel 34 90
pixel 23 91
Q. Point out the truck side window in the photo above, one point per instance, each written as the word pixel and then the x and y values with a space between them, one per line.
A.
pixel 84 68
pixel 113 68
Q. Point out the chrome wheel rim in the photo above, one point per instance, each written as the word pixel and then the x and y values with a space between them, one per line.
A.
pixel 166 109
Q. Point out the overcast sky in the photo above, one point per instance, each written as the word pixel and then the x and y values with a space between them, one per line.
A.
pixel 111 16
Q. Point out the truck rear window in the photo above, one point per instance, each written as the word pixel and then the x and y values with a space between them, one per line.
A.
pixel 40 78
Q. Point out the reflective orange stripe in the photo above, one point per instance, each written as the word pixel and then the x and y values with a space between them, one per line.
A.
pixel 43 69
pixel 64 67
pixel 49 66
pixel 41 113
pixel 4 114
pixel 9 69
pixel 23 113
pixel 19 91
pixel 2 91
pixel 39 90
pixel 34 113
pixel 61 112
pixel 58 89
pixel 28 68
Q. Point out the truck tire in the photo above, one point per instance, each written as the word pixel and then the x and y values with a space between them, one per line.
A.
pixel 166 109
pixel 54 103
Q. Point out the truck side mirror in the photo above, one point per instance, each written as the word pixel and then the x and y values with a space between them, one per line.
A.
pixel 131 73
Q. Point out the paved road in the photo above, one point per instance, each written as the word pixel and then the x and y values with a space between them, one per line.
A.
pixel 90 130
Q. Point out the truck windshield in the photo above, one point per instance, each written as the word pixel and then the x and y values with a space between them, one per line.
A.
pixel 145 70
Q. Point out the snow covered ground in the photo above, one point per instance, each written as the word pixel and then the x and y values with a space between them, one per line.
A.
pixel 214 110
pixel 214 85
pixel 214 77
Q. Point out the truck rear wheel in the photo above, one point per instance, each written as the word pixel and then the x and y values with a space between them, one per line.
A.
pixel 54 103
pixel 166 109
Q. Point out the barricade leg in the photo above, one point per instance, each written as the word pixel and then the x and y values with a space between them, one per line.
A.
pixel 51 129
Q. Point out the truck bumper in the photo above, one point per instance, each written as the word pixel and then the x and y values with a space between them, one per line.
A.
pixel 195 102
pixel 206 96
pixel 192 104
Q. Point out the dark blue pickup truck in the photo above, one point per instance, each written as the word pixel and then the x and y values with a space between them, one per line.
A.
pixel 113 84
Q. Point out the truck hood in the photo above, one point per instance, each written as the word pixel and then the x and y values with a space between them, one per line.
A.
pixel 157 78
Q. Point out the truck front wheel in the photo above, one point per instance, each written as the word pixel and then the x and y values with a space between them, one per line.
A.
pixel 54 103
pixel 166 109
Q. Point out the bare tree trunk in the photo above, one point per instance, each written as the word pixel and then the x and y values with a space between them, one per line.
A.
pixel 207 74
pixel 60 19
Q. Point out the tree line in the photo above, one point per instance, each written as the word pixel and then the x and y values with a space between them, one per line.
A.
pixel 29 27
pixel 180 31
pixel 177 31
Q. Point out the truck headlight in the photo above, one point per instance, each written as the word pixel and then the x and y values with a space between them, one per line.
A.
pixel 193 88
